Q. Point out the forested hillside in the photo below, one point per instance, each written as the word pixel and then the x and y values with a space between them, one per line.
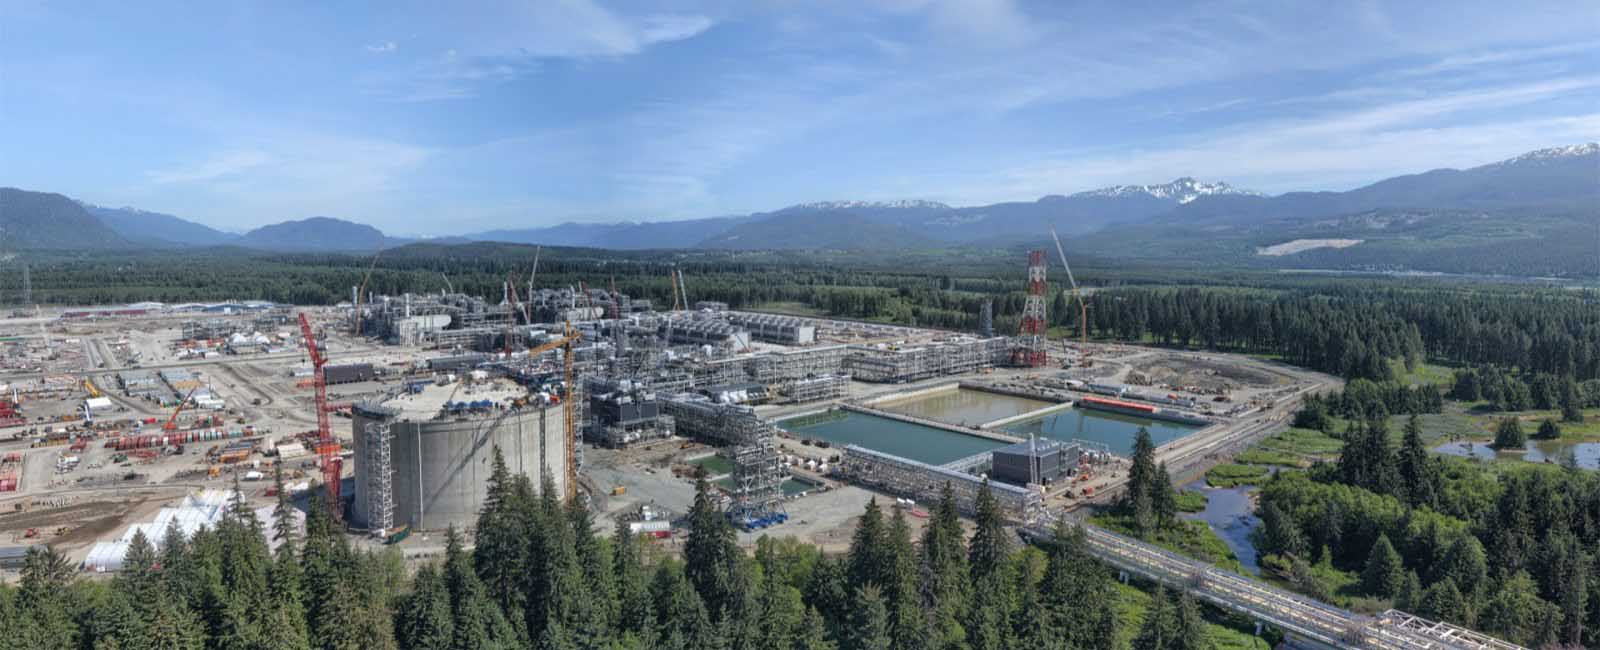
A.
pixel 540 577
pixel 1348 327
pixel 42 220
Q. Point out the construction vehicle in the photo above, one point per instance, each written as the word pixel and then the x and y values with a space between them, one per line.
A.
pixel 172 422
pixel 88 385
pixel 327 447
pixel 1083 308
pixel 566 342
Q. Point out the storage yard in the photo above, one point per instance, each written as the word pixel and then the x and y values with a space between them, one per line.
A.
pixel 117 418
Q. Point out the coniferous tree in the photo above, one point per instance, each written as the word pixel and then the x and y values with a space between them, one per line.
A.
pixel 1419 472
pixel 501 543
pixel 599 584
pixel 1164 497
pixel 1140 500
pixel 1278 533
pixel 1160 629
pixel 1548 430
pixel 1466 566
pixel 1384 576
pixel 476 621
pixel 1508 434
pixel 990 545
pixel 424 620
pixel 1072 605
pixel 709 551
pixel 907 625
pixel 1516 613
pixel 1192 633
pixel 944 573
pixel 868 557
pixel 633 589
pixel 1443 601
pixel 783 615
pixel 1571 402
pixel 287 616
pixel 869 622
pixel 1410 596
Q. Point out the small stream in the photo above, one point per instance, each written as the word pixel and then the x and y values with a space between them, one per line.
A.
pixel 1538 451
pixel 1231 516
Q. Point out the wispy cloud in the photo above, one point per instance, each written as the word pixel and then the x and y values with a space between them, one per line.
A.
pixel 223 165
pixel 507 40
pixel 382 48
pixel 1324 152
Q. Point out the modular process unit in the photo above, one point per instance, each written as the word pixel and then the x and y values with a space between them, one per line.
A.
pixel 440 453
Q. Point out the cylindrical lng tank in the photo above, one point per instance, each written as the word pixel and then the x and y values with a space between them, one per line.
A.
pixel 440 464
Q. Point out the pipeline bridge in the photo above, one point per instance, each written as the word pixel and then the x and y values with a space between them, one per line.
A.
pixel 1309 621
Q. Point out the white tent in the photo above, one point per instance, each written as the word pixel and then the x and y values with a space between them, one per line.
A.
pixel 198 510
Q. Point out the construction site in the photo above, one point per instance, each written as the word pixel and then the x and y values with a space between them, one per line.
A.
pixel 390 410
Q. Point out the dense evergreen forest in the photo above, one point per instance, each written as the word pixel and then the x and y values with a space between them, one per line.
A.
pixel 1509 549
pixel 1348 327
pixel 540 577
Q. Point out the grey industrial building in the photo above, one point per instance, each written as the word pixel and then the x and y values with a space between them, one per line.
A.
pixel 622 413
pixel 423 460
pixel 1041 461
pixel 349 373
pixel 772 328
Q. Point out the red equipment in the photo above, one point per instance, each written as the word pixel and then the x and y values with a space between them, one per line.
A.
pixel 327 447
pixel 172 422
pixel 1030 351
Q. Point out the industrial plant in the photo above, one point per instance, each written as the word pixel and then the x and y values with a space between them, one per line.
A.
pixel 391 410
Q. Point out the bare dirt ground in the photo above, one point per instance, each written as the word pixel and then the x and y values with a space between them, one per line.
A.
pixel 1177 369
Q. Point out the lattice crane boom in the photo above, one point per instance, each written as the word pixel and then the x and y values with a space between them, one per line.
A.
pixel 1083 308
pixel 172 421
pixel 327 447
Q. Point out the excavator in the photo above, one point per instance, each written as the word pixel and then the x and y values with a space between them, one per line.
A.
pixel 172 422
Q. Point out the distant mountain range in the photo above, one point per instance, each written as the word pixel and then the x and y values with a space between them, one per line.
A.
pixel 157 229
pixel 41 220
pixel 1543 197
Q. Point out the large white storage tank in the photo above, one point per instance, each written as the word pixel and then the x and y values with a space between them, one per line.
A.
pixel 441 450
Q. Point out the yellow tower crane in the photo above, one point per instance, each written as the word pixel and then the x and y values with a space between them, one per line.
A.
pixel 568 339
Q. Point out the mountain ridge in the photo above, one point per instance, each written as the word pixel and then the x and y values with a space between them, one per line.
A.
pixel 1556 180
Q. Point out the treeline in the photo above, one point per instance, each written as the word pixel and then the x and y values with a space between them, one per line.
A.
pixel 1506 390
pixel 1354 330
pixel 540 577
pixel 1361 399
pixel 1507 551
pixel 1349 327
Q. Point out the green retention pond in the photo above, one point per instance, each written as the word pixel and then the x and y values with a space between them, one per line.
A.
pixel 914 441
pixel 963 406
pixel 1111 429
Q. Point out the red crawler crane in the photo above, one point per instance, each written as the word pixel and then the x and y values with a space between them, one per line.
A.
pixel 327 447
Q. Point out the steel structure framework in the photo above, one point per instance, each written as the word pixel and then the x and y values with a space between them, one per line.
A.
pixel 380 477
pixel 1301 615
pixel 1030 350
pixel 906 364
pixel 920 480
pixel 758 471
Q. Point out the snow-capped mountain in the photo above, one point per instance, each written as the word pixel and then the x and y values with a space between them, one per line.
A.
pixel 1553 154
pixel 871 205
pixel 1182 190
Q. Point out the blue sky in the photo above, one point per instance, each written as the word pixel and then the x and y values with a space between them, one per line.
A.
pixel 437 118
